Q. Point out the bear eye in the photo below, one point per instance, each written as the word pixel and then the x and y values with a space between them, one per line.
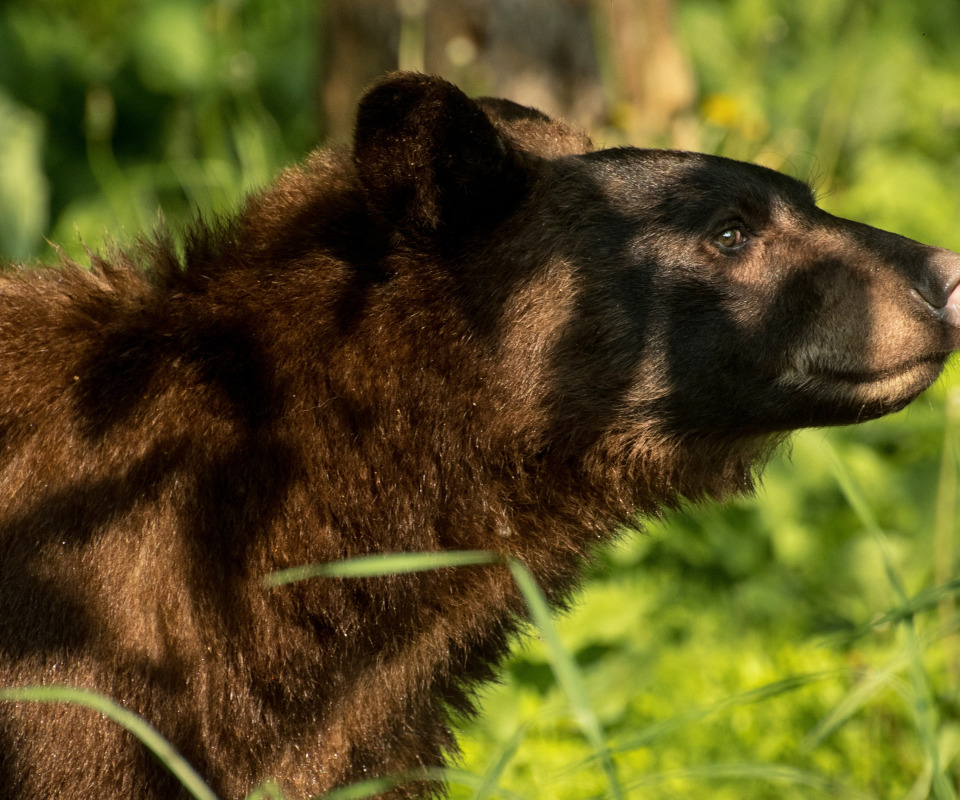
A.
pixel 732 238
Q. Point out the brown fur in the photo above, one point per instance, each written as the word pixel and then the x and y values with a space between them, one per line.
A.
pixel 471 333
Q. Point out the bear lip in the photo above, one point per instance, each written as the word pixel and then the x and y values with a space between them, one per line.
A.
pixel 898 372
pixel 887 389
pixel 883 390
pixel 853 395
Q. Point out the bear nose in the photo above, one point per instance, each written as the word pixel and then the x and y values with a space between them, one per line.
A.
pixel 940 285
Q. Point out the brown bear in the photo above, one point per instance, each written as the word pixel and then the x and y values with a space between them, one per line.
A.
pixel 470 333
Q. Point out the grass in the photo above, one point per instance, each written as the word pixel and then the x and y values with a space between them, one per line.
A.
pixel 877 718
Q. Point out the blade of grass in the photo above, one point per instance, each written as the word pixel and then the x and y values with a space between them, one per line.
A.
pixel 477 783
pixel 376 786
pixel 364 789
pixel 493 773
pixel 382 564
pixel 770 773
pixel 146 733
pixel 855 699
pixel 944 529
pixel 924 709
pixel 268 789
pixel 568 675
pixel 662 728
pixel 924 600
pixel 866 689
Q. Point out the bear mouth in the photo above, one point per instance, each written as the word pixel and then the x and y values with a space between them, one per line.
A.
pixel 850 394
pixel 889 388
pixel 856 377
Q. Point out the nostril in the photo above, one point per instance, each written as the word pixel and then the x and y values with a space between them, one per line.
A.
pixel 926 293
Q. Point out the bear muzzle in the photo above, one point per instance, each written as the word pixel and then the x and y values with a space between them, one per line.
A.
pixel 939 289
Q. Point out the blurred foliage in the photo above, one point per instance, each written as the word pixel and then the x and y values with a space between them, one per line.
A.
pixel 860 98
pixel 116 109
pixel 729 652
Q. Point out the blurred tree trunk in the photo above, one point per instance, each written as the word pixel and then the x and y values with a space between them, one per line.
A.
pixel 593 62
pixel 653 81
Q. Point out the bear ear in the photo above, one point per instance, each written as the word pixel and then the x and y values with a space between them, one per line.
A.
pixel 429 160
pixel 531 130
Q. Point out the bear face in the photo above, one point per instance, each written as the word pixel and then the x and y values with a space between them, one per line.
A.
pixel 694 302
pixel 726 281
pixel 473 332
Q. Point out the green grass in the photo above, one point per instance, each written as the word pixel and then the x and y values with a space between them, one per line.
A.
pixel 726 697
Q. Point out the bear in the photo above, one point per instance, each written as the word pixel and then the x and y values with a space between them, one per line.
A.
pixel 472 331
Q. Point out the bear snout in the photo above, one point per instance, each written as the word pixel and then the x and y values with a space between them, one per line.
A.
pixel 950 313
pixel 939 288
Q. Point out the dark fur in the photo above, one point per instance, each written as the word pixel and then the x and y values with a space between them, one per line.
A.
pixel 470 333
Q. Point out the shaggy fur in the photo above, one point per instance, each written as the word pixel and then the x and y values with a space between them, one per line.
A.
pixel 469 333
